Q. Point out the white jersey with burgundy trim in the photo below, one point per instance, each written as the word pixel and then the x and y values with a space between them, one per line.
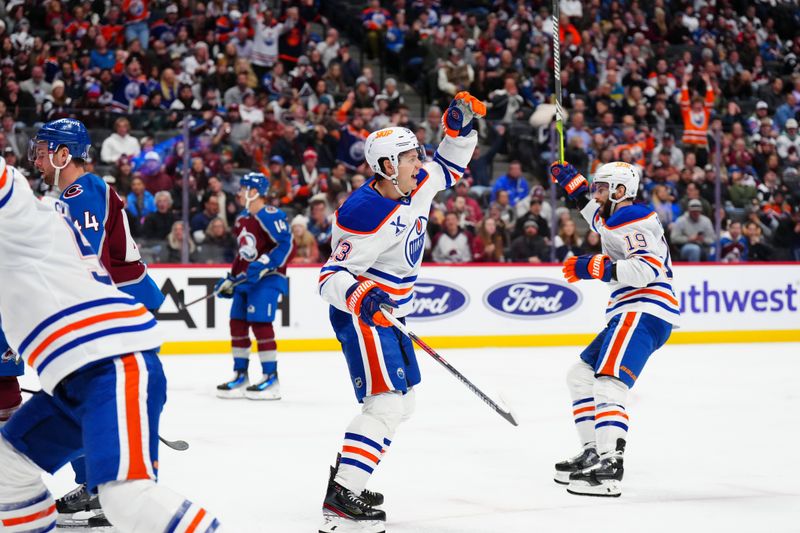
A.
pixel 383 240
pixel 60 310
pixel 634 240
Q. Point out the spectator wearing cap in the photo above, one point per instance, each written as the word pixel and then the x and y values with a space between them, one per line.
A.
pixel 513 182
pixel 280 186
pixel 761 112
pixel 535 212
pixel 158 223
pixel 120 143
pixel 309 180
pixel 455 75
pixel 305 245
pixel 789 141
pixel 453 244
pixel 693 233
pixel 530 247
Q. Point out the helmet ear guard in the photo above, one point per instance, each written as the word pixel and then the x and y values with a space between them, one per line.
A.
pixel 389 143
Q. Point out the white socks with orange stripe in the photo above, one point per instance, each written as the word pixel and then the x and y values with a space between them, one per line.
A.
pixel 142 506
pixel 611 420
pixel 25 503
pixel 581 382
pixel 368 436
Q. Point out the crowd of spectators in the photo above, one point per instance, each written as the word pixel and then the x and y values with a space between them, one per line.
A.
pixel 283 88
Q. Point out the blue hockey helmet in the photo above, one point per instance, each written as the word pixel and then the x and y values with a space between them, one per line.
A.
pixel 62 132
pixel 257 181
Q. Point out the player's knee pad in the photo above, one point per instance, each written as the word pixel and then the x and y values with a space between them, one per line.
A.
pixel 580 379
pixel 142 506
pixel 387 407
pixel 610 390
pixel 21 478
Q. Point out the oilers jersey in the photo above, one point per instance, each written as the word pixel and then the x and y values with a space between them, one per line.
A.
pixel 634 239
pixel 380 239
pixel 98 212
pixel 60 309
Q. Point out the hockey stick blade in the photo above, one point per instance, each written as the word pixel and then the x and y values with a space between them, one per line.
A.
pixel 504 412
pixel 177 445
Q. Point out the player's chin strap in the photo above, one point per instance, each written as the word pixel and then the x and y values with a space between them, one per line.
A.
pixel 248 199
pixel 59 169
pixel 393 179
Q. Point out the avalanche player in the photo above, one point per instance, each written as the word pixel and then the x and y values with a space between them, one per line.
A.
pixel 94 350
pixel 59 151
pixel 640 316
pixel 11 367
pixel 256 280
pixel 378 241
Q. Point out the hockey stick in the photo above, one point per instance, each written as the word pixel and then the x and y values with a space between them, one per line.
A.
pixel 177 445
pixel 210 295
pixel 504 412
pixel 557 72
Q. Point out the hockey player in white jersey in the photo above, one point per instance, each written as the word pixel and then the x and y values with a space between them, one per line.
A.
pixel 640 316
pixel 103 388
pixel 378 241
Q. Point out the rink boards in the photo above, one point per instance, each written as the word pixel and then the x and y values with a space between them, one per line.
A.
pixel 500 305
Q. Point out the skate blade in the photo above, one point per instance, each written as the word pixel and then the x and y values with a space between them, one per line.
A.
pixel 606 490
pixel 562 478
pixel 336 524
pixel 235 394
pixel 262 395
pixel 69 523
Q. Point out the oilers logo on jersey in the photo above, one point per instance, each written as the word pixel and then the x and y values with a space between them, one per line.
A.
pixel 415 242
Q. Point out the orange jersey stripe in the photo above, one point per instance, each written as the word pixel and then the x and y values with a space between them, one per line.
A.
pixel 612 413
pixel 656 292
pixel 627 322
pixel 378 383
pixel 390 290
pixel 583 410
pixel 8 522
pixel 133 417
pixel 86 322
pixel 197 519
pixel 652 260
pixel 4 177
pixel 359 451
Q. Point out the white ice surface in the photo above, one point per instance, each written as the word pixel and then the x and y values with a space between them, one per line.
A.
pixel 712 447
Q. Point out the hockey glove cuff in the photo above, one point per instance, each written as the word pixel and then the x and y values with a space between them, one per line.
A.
pixel 365 300
pixel 588 267
pixel 258 269
pixel 224 287
pixel 570 179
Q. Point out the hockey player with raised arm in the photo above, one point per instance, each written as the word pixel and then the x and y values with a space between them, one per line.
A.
pixel 378 241
pixel 59 150
pixel 640 315
pixel 256 280
pixel 103 388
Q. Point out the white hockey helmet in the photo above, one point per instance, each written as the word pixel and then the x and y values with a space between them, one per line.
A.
pixel 616 174
pixel 389 143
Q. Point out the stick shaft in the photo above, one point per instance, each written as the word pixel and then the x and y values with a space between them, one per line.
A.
pixel 557 72
pixel 441 360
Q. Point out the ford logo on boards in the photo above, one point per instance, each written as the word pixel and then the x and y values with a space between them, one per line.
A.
pixel 436 299
pixel 532 298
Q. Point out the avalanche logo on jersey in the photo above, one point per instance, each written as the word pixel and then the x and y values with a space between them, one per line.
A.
pixel 247 246
pixel 73 191
pixel 415 242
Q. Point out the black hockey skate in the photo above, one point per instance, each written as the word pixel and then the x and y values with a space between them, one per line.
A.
pixel 78 501
pixel 374 499
pixel 268 388
pixel 604 478
pixel 585 459
pixel 345 512
pixel 234 387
